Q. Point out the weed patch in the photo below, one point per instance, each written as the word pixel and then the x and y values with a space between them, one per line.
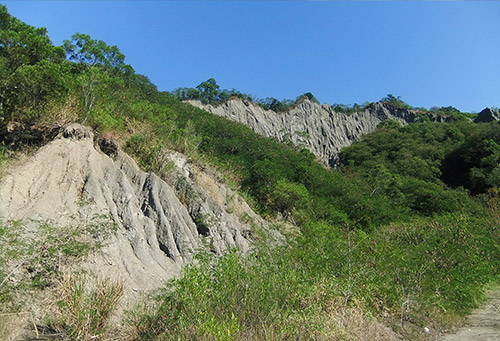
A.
pixel 86 306
pixel 237 298
pixel 34 254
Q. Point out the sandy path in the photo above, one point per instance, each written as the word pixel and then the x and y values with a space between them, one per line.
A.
pixel 483 324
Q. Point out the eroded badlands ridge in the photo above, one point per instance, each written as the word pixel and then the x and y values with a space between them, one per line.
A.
pixel 316 127
pixel 71 180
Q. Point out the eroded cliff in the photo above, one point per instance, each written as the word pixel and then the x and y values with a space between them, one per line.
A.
pixel 158 225
pixel 316 127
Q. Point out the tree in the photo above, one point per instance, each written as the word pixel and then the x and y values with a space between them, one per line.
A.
pixel 271 103
pixel 83 49
pixel 185 94
pixel 142 84
pixel 88 83
pixel 209 91
pixel 31 87
pixel 475 163
pixel 396 102
pixel 389 124
pixel 309 96
pixel 22 44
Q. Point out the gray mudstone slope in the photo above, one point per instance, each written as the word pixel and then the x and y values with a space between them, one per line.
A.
pixel 71 181
pixel 316 127
pixel 488 115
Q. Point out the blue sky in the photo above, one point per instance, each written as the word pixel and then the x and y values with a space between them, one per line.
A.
pixel 431 53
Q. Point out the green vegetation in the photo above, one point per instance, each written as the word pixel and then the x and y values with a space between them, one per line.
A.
pixel 397 103
pixel 475 164
pixel 4 157
pixel 404 232
pixel 349 109
pixel 456 154
pixel 209 92
pixel 414 272
pixel 37 254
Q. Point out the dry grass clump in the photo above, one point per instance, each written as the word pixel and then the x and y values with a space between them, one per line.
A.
pixel 86 306
pixel 357 323
pixel 210 185
pixel 61 113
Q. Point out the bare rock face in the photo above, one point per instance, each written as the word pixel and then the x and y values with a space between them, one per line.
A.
pixel 316 127
pixel 159 225
pixel 488 115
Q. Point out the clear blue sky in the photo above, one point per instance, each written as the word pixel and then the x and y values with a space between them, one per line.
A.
pixel 430 53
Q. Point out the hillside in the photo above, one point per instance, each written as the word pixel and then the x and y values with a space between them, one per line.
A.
pixel 316 127
pixel 157 233
pixel 127 213
pixel 147 232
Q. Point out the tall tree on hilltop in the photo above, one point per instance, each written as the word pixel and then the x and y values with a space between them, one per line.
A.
pixel 209 91
pixel 83 49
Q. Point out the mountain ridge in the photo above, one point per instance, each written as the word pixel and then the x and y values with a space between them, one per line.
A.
pixel 313 126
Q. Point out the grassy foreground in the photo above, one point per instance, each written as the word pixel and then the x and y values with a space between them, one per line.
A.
pixel 333 284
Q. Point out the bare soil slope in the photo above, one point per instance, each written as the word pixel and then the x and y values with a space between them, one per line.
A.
pixel 71 181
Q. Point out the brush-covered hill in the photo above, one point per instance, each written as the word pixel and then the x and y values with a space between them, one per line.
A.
pixel 109 187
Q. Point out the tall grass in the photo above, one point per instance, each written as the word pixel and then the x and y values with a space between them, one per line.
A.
pixel 4 157
pixel 333 283
pixel 85 307
pixel 236 298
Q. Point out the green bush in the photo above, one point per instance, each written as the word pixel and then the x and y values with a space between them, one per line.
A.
pixel 30 88
pixel 286 197
pixel 474 164
pixel 261 300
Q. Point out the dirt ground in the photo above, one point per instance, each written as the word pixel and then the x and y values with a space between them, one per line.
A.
pixel 483 324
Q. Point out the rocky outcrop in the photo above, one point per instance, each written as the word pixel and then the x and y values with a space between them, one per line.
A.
pixel 316 127
pixel 160 225
pixel 488 115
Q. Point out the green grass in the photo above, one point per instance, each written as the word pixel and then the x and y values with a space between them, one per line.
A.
pixel 4 158
pixel 235 298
